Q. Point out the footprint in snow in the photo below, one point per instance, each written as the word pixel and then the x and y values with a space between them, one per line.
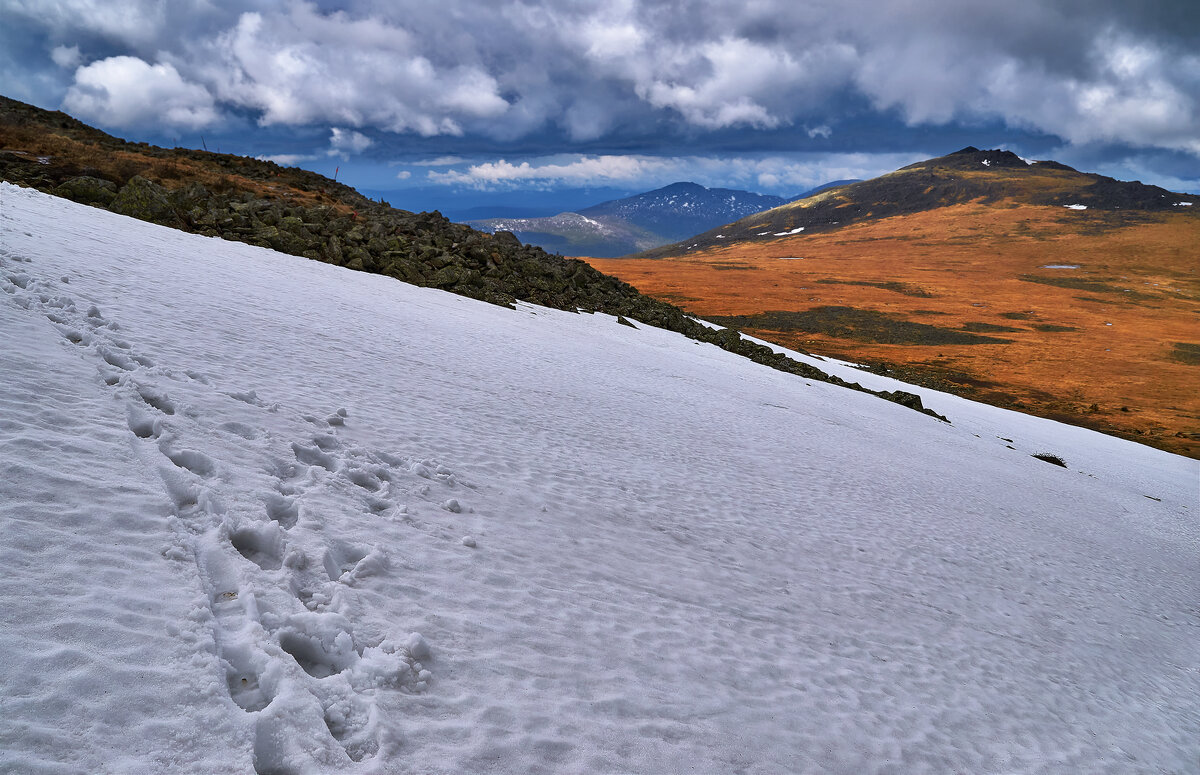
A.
pixel 261 545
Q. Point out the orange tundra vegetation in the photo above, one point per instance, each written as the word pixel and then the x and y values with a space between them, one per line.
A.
pixel 1063 313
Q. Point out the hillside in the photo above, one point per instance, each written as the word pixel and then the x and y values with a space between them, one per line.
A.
pixel 576 234
pixel 994 178
pixel 267 515
pixel 636 223
pixel 307 215
pixel 1028 285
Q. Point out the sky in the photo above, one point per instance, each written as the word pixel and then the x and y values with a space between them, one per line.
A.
pixel 525 100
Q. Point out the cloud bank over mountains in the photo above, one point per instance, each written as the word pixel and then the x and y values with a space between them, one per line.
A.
pixel 621 74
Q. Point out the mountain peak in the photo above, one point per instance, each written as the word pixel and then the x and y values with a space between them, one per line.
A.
pixel 678 187
pixel 968 175
pixel 622 226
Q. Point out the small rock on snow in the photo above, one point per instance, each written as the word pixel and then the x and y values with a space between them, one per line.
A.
pixel 417 647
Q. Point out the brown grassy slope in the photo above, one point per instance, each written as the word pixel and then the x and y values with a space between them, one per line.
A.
pixel 978 265
pixel 307 215
pixel 994 178
pixel 66 148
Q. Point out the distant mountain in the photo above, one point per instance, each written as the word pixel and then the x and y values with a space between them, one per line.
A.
pixel 463 205
pixel 1023 283
pixel 676 210
pixel 969 175
pixel 622 226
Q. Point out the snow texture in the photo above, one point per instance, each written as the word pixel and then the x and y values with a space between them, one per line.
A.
pixel 1076 207
pixel 261 514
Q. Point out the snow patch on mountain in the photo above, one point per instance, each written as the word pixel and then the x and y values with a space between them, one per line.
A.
pixel 263 514
pixel 636 223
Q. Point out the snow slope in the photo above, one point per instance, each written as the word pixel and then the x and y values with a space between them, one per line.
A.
pixel 261 514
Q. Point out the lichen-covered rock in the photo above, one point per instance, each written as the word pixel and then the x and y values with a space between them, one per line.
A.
pixel 449 276
pixel 357 258
pixel 147 201
pixel 506 239
pixel 283 241
pixel 88 190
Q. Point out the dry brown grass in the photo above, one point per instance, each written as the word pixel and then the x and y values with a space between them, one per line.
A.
pixel 69 157
pixel 1115 371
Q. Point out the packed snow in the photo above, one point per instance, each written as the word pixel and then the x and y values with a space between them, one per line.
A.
pixel 262 514
pixel 1076 207
pixel 1183 204
pixel 796 230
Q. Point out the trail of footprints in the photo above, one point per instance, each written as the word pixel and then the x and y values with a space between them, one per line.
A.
pixel 281 593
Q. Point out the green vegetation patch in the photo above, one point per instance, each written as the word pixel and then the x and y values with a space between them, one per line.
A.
pixel 988 328
pixel 677 298
pixel 1083 284
pixel 907 289
pixel 1186 352
pixel 859 324
pixel 1054 328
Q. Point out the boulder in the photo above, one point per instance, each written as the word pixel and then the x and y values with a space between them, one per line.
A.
pixel 88 190
pixel 147 201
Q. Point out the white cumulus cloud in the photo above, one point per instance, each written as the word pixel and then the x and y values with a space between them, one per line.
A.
pixel 585 170
pixel 343 142
pixel 127 91
pixel 1102 72
pixel 66 56
pixel 287 159
pixel 783 174
pixel 296 65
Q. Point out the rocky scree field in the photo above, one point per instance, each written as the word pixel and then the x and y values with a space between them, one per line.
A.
pixel 308 215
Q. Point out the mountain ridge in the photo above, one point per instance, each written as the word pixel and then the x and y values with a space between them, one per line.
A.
pixel 1030 285
pixel 627 225
pixel 967 175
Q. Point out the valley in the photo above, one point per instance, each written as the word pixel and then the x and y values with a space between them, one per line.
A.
pixel 1063 313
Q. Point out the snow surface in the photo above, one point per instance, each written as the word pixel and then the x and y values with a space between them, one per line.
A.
pixel 1183 204
pixel 796 230
pixel 1076 207
pixel 262 514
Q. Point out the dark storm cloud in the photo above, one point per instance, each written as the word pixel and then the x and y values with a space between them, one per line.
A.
pixel 623 75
